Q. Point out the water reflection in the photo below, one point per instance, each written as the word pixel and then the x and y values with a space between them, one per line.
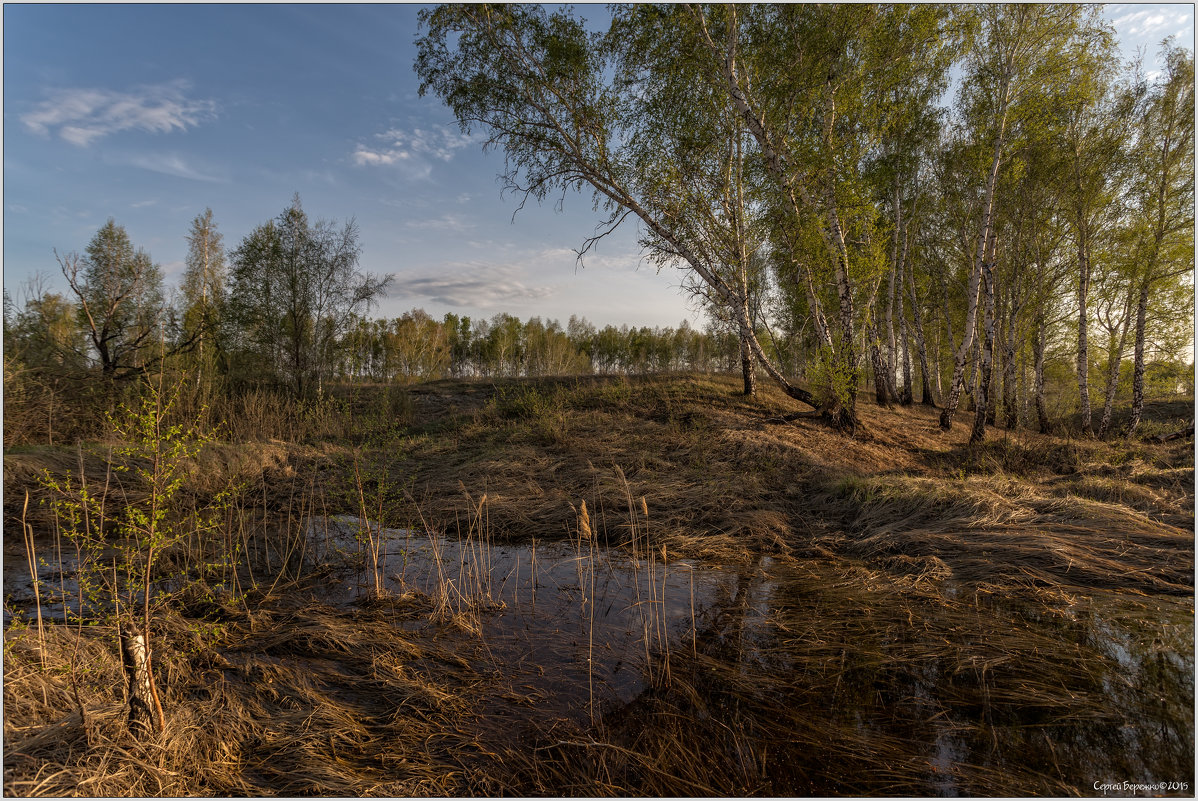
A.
pixel 791 678
pixel 843 680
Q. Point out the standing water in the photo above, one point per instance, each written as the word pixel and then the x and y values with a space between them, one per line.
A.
pixel 773 676
pixel 831 677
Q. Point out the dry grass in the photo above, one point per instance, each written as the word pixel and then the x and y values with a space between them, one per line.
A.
pixel 723 473
pixel 929 587
pixel 306 701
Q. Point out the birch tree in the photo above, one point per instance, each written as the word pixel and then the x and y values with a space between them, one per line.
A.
pixel 295 291
pixel 815 122
pixel 535 83
pixel 690 156
pixel 1021 52
pixel 119 291
pixel 1092 138
pixel 1163 196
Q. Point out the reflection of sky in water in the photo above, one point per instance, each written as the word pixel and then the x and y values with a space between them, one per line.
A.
pixel 954 694
pixel 1072 694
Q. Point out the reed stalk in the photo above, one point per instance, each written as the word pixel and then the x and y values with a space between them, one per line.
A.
pixel 31 556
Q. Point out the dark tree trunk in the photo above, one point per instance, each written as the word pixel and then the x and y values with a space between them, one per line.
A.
pixel 1038 382
pixel 982 401
pixel 1137 375
pixel 1083 353
pixel 883 390
pixel 746 368
pixel 1010 401
pixel 993 392
pixel 906 394
pixel 921 347
pixel 1114 362
pixel 975 376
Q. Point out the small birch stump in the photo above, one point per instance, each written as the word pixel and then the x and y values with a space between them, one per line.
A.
pixel 145 712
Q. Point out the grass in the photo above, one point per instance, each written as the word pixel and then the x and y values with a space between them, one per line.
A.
pixel 988 600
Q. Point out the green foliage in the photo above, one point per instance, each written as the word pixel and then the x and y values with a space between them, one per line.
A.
pixel 119 291
pixel 790 157
pixel 832 381
pixel 203 290
pixel 527 402
pixel 295 291
pixel 149 520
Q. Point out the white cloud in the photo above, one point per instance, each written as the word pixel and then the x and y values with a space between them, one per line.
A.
pixel 172 269
pixel 520 277
pixel 1148 25
pixel 475 284
pixel 365 156
pixel 415 148
pixel 170 164
pixel 80 116
pixel 1152 20
pixel 446 222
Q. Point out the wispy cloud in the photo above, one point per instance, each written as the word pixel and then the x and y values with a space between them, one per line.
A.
pixel 414 148
pixel 170 164
pixel 1155 20
pixel 446 222
pixel 172 269
pixel 471 284
pixel 80 116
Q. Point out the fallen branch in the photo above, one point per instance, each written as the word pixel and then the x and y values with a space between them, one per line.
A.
pixel 1181 433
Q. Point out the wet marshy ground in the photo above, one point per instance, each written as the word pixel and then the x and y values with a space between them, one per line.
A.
pixel 594 667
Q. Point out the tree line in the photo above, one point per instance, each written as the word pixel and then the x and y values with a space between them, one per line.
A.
pixel 288 310
pixel 417 347
pixel 806 167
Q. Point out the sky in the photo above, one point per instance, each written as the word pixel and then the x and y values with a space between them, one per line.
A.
pixel 148 114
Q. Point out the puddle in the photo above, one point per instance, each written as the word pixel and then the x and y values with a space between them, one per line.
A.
pixel 838 680
pixel 547 611
pixel 58 578
pixel 966 691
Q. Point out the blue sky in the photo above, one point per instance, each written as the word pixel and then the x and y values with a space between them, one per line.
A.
pixel 150 113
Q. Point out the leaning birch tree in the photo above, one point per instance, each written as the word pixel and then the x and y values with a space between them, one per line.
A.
pixel 537 84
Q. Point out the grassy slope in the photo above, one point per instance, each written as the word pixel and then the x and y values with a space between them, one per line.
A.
pixel 722 473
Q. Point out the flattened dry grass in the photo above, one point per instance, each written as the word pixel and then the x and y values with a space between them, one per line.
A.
pixel 305 701
pixel 858 683
pixel 996 596
pixel 986 529
pixel 724 474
